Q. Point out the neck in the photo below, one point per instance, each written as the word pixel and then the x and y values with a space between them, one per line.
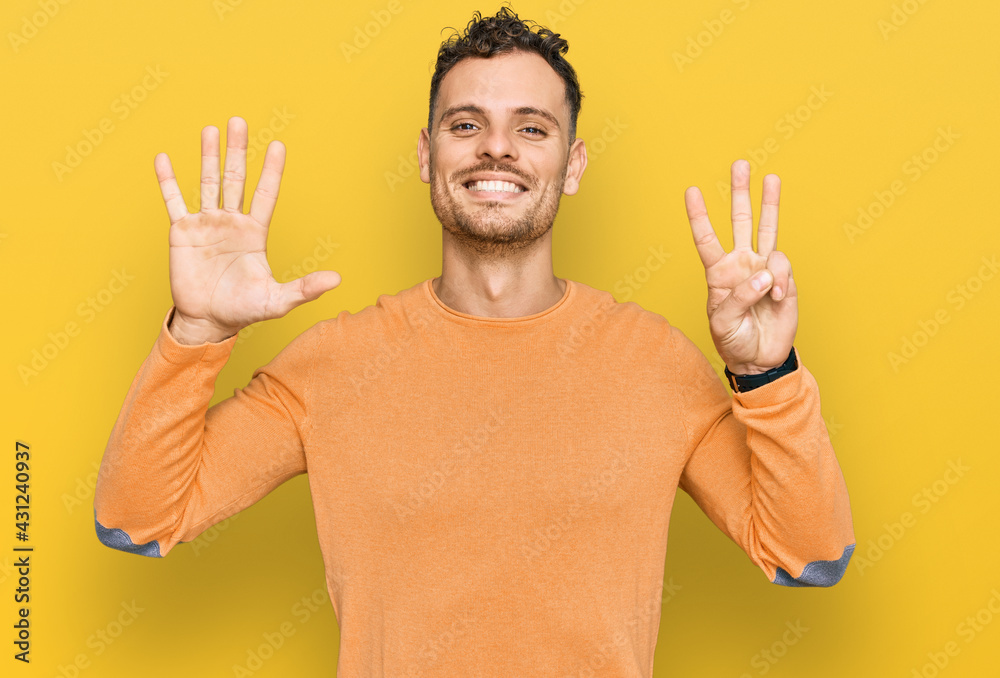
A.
pixel 511 287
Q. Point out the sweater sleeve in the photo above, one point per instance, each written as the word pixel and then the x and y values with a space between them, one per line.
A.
pixel 761 466
pixel 174 466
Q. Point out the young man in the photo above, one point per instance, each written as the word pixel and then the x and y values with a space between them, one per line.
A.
pixel 493 454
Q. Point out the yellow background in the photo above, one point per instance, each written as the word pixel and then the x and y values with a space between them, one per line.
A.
pixel 350 124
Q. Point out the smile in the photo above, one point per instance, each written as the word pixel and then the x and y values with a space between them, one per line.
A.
pixel 494 190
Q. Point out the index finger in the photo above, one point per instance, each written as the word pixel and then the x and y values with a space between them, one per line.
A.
pixel 266 194
pixel 709 248
pixel 171 192
pixel 742 213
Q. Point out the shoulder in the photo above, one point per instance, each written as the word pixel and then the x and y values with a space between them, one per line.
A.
pixel 621 316
pixel 630 324
pixel 390 315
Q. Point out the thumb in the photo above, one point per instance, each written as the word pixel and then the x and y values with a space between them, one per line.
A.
pixel 307 288
pixel 742 297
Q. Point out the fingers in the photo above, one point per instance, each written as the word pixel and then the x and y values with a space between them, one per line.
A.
pixel 742 211
pixel 767 229
pixel 235 175
pixel 732 309
pixel 781 269
pixel 306 288
pixel 210 168
pixel 776 279
pixel 266 194
pixel 709 248
pixel 172 198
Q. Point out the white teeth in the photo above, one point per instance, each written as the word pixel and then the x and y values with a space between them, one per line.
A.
pixel 496 186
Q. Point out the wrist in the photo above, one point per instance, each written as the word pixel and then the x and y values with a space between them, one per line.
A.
pixel 742 370
pixel 741 382
pixel 194 333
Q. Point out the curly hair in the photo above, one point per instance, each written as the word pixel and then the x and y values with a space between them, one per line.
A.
pixel 500 34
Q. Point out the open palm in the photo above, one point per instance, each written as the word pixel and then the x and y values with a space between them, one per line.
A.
pixel 752 328
pixel 219 276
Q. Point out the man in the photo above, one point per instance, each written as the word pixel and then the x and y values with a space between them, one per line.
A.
pixel 493 454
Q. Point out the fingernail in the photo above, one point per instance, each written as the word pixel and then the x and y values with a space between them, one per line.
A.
pixel 777 293
pixel 761 281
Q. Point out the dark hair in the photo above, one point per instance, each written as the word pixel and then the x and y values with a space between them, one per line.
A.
pixel 501 34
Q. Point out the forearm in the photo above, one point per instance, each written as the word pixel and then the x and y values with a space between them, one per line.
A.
pixel 761 466
pixel 799 511
pixel 174 466
pixel 150 465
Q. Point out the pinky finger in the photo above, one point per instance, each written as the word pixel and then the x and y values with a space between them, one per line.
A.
pixel 171 192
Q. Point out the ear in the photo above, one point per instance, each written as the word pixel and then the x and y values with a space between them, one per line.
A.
pixel 424 155
pixel 576 163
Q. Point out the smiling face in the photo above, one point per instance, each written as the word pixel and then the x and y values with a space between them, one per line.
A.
pixel 502 124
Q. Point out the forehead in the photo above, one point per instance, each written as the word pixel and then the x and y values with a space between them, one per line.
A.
pixel 505 81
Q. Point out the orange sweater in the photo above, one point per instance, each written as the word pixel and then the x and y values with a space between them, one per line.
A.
pixel 505 483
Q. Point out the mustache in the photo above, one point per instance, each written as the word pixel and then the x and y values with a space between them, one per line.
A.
pixel 505 169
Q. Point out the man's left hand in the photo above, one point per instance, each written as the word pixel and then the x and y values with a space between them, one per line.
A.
pixel 753 329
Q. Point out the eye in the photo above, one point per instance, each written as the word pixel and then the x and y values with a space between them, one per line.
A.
pixel 537 131
pixel 462 123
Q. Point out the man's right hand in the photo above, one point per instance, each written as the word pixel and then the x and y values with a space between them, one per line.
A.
pixel 219 277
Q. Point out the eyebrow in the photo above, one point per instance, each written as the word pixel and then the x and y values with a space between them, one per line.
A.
pixel 521 110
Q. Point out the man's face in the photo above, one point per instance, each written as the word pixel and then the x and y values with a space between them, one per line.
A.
pixel 504 118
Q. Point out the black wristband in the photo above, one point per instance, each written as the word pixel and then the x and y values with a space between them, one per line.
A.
pixel 741 383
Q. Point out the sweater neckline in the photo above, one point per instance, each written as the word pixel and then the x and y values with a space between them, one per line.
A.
pixel 467 319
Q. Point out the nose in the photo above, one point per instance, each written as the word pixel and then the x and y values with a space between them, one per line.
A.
pixel 497 142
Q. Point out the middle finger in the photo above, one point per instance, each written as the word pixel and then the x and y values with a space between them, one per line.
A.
pixel 235 175
pixel 742 211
